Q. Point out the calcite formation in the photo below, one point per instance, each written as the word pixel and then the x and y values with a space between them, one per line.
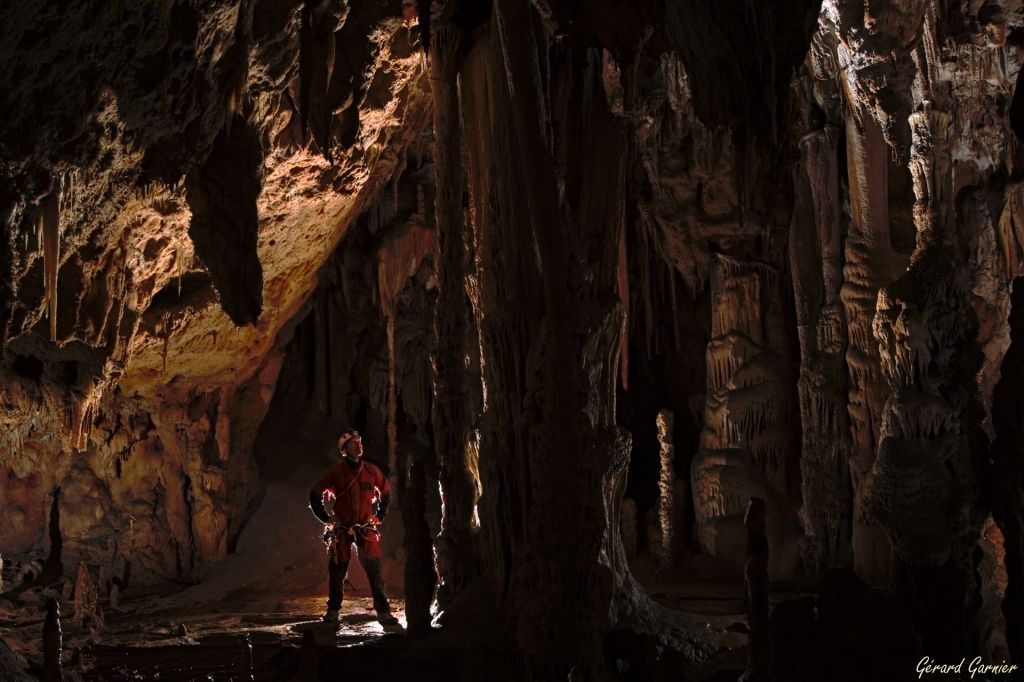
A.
pixel 746 445
pixel 162 225
pixel 492 236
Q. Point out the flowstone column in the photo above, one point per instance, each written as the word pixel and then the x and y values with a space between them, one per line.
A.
pixel 821 325
pixel 746 445
pixel 866 269
pixel 924 486
pixel 457 550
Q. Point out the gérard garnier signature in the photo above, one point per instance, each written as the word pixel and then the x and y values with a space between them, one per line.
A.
pixel 930 667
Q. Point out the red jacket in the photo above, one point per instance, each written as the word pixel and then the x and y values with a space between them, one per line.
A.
pixel 359 492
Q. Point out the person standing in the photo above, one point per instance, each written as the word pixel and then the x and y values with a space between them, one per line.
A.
pixel 362 497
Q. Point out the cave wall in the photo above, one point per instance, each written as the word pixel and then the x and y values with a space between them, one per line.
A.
pixel 174 177
pixel 812 214
pixel 887 168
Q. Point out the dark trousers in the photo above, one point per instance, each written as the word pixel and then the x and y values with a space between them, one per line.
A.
pixel 338 570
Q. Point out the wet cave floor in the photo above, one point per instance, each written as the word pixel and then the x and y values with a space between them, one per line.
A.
pixel 272 591
pixel 151 639
pixel 158 638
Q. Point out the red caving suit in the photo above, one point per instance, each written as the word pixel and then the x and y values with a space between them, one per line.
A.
pixel 356 493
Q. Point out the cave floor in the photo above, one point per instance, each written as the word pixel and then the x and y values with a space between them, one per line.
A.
pixel 162 638
pixel 271 593
pixel 149 639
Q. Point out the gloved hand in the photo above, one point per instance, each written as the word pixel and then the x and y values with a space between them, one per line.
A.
pixel 329 528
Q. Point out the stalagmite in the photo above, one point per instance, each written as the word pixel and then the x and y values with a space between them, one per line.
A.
pixel 245 659
pixel 52 643
pixel 309 658
pixel 420 576
pixel 666 480
pixel 87 608
pixel 759 662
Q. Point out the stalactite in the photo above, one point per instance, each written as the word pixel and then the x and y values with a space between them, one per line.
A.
pixel 398 259
pixel 392 408
pixel 179 264
pixel 622 285
pixel 167 325
pixel 49 231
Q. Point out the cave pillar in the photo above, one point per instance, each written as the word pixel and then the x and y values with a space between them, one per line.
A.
pixel 867 267
pixel 924 487
pixel 1008 475
pixel 457 542
pixel 821 326
pixel 547 184
pixel 746 445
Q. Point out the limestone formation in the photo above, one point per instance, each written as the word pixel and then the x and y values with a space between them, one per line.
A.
pixel 87 607
pixel 746 444
pixel 666 480
pixel 630 528
pixel 125 278
pixel 453 416
pixel 570 268
pixel 755 573
pixel 822 333
pixel 52 643
pixel 309 663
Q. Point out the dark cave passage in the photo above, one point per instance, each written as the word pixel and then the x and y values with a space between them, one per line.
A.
pixel 671 341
